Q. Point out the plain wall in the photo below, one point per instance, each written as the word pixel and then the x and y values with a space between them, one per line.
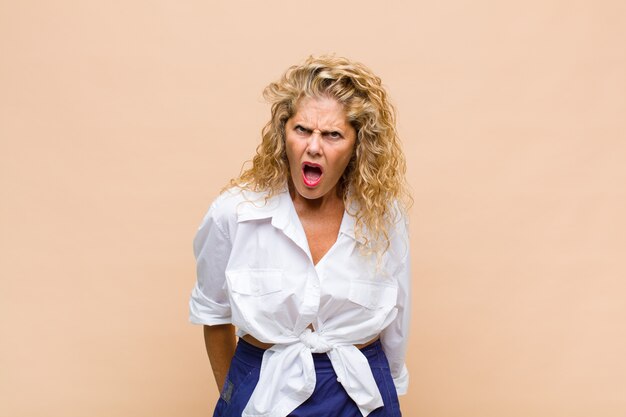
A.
pixel 120 121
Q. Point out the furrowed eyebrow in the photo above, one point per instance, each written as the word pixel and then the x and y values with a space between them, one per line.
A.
pixel 323 132
pixel 328 132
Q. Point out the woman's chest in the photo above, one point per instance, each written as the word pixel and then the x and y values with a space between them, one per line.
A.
pixel 321 235
pixel 271 280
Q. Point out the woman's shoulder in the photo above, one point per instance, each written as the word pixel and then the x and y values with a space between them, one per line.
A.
pixel 399 214
pixel 227 204
pixel 396 213
pixel 398 230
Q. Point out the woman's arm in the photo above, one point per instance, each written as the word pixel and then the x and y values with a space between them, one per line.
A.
pixel 209 304
pixel 395 337
pixel 220 346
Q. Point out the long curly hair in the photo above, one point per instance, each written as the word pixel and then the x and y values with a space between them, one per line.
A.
pixel 375 176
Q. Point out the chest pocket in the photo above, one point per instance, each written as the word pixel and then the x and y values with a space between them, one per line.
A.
pixel 255 282
pixel 373 295
pixel 256 295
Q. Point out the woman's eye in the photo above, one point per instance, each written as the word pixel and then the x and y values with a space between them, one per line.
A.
pixel 334 135
pixel 300 129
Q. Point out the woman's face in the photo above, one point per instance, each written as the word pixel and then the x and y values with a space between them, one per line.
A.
pixel 319 143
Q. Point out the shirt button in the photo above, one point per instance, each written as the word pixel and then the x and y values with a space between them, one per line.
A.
pixel 339 380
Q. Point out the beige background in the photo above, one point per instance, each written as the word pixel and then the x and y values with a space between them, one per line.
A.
pixel 121 120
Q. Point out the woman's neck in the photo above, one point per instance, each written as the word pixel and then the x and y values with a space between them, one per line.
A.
pixel 329 203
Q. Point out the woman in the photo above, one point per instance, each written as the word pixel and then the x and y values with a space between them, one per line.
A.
pixel 307 255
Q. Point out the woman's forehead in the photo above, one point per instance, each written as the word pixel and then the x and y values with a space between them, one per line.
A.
pixel 324 110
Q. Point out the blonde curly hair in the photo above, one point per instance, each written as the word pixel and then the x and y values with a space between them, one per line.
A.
pixel 375 175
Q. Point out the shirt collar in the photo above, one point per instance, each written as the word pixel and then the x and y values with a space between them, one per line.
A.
pixel 256 206
pixel 279 208
pixel 348 224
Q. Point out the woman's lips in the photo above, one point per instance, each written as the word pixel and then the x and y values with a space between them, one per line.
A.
pixel 311 174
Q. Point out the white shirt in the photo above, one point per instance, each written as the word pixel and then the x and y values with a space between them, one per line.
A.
pixel 254 270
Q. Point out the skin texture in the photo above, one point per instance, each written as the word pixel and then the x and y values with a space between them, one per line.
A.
pixel 220 346
pixel 319 133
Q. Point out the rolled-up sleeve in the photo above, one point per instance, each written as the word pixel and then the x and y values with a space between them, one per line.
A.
pixel 395 337
pixel 209 303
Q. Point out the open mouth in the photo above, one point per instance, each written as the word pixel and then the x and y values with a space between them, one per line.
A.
pixel 311 174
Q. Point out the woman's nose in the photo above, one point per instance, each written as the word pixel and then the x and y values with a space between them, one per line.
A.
pixel 314 145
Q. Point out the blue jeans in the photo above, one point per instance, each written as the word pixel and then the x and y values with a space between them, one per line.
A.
pixel 329 399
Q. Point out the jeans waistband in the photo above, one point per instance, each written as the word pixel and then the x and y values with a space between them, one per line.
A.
pixel 253 356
